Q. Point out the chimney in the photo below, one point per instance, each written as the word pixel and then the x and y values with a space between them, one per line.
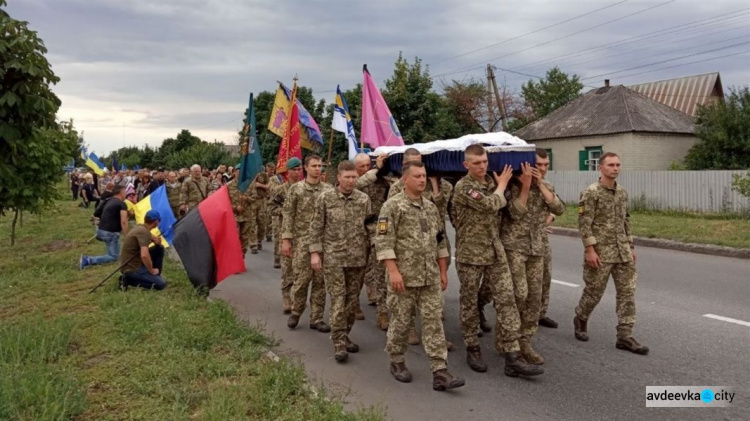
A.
pixel 606 83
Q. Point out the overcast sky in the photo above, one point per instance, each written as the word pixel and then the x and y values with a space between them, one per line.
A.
pixel 134 72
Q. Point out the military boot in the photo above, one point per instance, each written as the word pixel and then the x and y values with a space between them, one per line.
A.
pixel 483 324
pixel 358 313
pixel 351 346
pixel 515 366
pixel 260 245
pixel 547 322
pixel 580 329
pixel 443 380
pixel 293 321
pixel 383 320
pixel 269 238
pixel 413 337
pixel 320 326
pixel 400 372
pixel 474 358
pixel 340 354
pixel 287 307
pixel 630 344
pixel 276 262
pixel 528 353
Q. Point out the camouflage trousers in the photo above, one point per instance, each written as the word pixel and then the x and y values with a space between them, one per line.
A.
pixel 276 224
pixel 268 220
pixel 306 279
pixel 626 278
pixel 546 280
pixel 375 279
pixel 256 220
pixel 244 229
pixel 428 301
pixel 343 285
pixel 527 272
pixel 498 279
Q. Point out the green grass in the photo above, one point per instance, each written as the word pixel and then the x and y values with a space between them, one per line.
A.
pixel 169 355
pixel 718 229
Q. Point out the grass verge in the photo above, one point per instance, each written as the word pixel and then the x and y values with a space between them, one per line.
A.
pixel 717 229
pixel 68 354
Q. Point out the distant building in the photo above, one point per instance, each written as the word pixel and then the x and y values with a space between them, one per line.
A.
pixel 646 133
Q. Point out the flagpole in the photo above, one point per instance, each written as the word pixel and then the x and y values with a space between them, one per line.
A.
pixel 291 105
pixel 330 149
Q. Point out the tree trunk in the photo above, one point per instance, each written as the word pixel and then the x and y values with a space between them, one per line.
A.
pixel 13 228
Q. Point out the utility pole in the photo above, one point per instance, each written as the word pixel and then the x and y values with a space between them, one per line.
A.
pixel 500 105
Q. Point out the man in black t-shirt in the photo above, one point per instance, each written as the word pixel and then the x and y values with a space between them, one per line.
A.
pixel 159 179
pixel 113 223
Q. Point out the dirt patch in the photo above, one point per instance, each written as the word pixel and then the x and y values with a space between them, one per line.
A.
pixel 58 245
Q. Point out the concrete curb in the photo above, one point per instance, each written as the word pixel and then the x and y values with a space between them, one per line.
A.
pixel 708 249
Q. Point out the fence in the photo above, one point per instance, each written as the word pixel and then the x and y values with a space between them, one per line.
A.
pixel 700 191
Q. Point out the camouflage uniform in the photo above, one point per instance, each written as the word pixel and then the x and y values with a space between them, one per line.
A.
pixel 523 235
pixel 257 207
pixel 298 209
pixel 243 218
pixel 604 222
pixel 377 190
pixel 273 216
pixel 193 191
pixel 546 277
pixel 480 257
pixel 409 231
pixel 278 198
pixel 173 195
pixel 338 232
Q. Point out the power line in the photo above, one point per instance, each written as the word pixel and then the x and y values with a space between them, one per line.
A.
pixel 667 60
pixel 685 64
pixel 563 37
pixel 530 33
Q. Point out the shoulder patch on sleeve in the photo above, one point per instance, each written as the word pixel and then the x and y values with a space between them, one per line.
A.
pixel 581 210
pixel 475 194
pixel 382 225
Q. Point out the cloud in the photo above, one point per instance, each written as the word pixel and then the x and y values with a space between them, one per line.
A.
pixel 137 72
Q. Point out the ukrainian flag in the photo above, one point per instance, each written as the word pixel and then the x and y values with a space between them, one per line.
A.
pixel 93 162
pixel 158 201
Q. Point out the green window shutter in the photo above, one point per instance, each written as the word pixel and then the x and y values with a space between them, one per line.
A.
pixel 583 156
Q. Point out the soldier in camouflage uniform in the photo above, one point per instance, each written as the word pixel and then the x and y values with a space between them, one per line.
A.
pixel 542 164
pixel 340 242
pixel 480 257
pixel 173 193
pixel 411 244
pixel 376 188
pixel 273 181
pixel 438 191
pixel 604 223
pixel 278 197
pixel 194 189
pixel 258 193
pixel 296 240
pixel 530 201
pixel 241 206
pixel 273 216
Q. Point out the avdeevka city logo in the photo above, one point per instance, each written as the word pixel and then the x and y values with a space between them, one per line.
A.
pixel 394 127
pixel 707 395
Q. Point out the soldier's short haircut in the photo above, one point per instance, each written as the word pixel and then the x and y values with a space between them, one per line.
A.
pixel 117 189
pixel 346 166
pixel 311 157
pixel 541 153
pixel 411 164
pixel 270 165
pixel 607 155
pixel 361 156
pixel 411 152
pixel 195 167
pixel 475 149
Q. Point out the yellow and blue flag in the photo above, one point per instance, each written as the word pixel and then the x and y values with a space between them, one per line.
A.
pixel 93 162
pixel 342 122
pixel 158 201
pixel 310 137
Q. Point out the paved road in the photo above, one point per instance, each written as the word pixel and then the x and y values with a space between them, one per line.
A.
pixel 590 380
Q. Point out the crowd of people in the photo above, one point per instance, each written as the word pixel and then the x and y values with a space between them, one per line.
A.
pixel 388 232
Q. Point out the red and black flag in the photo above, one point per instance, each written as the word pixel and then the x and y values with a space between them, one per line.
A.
pixel 208 242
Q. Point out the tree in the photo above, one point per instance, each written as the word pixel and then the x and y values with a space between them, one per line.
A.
pixel 33 146
pixel 205 154
pixel 724 130
pixel 550 93
pixel 184 140
pixel 742 184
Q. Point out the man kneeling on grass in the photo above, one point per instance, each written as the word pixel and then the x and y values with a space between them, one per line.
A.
pixel 141 264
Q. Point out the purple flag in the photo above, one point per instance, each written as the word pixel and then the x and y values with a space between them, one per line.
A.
pixel 378 126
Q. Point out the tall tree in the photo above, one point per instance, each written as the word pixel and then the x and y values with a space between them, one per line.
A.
pixel 724 130
pixel 548 94
pixel 33 146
